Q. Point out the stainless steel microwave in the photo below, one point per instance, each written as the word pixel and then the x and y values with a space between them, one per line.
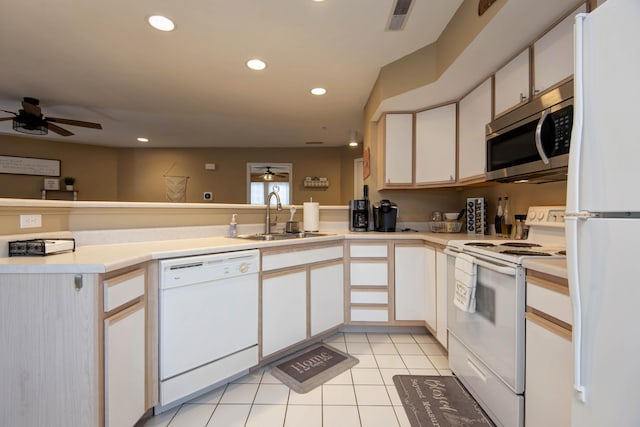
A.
pixel 532 142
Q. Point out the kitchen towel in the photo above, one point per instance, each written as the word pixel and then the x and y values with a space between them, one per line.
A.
pixel 311 216
pixel 465 289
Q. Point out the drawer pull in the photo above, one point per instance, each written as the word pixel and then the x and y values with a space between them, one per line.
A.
pixel 477 370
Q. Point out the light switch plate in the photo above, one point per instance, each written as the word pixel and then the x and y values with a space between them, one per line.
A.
pixel 30 221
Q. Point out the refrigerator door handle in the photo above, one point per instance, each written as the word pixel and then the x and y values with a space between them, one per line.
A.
pixel 539 146
pixel 571 224
pixel 573 177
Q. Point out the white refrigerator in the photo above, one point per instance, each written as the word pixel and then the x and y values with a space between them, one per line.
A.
pixel 603 217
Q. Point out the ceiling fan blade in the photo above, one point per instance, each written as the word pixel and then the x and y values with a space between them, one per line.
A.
pixel 2 119
pixel 57 129
pixel 75 122
pixel 31 109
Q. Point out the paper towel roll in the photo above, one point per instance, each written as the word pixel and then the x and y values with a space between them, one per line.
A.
pixel 311 216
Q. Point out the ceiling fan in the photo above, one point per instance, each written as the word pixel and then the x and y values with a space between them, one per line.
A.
pixel 30 120
pixel 269 174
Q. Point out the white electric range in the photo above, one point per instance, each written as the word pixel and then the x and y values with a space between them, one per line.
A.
pixel 487 346
pixel 545 239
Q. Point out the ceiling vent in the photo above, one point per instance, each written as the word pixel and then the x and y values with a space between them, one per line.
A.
pixel 399 15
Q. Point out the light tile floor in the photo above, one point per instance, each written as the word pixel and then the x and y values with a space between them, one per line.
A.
pixel 364 396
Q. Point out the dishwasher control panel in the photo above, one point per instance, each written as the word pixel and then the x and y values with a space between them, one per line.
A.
pixel 205 268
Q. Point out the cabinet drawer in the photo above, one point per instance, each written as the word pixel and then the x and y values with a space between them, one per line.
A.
pixel 121 289
pixel 369 297
pixel 299 257
pixel 368 251
pixel 369 315
pixel 553 303
pixel 369 274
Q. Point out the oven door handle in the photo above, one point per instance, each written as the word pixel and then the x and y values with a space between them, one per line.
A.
pixel 498 268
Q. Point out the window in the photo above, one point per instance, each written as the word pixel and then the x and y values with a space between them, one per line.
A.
pixel 263 178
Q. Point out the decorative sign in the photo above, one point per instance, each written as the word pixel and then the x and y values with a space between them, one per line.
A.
pixel 29 166
pixel 366 163
pixel 483 5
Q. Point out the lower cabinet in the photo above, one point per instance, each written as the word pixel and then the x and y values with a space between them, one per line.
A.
pixel 442 275
pixel 124 348
pixel 124 366
pixel 284 310
pixel 549 352
pixel 327 297
pixel 549 369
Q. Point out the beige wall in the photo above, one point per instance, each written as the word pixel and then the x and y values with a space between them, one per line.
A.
pixel 95 168
pixel 141 172
pixel 136 174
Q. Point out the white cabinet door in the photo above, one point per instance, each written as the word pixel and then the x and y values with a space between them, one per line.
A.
pixel 413 270
pixel 284 310
pixel 124 378
pixel 327 297
pixel 512 83
pixel 474 114
pixel 430 295
pixel 436 145
pixel 553 54
pixel 549 377
pixel 398 149
pixel 441 298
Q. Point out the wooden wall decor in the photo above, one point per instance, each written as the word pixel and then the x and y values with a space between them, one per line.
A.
pixel 483 5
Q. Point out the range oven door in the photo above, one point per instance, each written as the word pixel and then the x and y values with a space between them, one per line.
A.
pixel 495 332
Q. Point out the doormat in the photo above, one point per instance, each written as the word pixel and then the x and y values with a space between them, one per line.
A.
pixel 312 367
pixel 438 401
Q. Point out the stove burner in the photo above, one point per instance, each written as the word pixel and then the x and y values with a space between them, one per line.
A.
pixel 480 244
pixel 521 245
pixel 521 252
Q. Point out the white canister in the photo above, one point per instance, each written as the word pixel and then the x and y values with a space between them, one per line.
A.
pixel 311 216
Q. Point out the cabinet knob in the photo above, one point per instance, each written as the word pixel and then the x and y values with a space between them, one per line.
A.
pixel 77 281
pixel 523 97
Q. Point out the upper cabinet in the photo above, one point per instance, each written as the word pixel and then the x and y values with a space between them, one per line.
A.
pixel 398 149
pixel 474 113
pixel 553 54
pixel 429 159
pixel 512 83
pixel 435 150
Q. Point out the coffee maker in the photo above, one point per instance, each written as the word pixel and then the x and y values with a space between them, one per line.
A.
pixel 385 216
pixel 359 215
pixel 359 212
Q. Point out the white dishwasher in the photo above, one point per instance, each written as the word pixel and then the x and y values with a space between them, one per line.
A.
pixel 208 320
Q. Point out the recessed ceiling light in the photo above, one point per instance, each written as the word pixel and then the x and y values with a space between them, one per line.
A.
pixel 353 144
pixel 318 91
pixel 317 1
pixel 161 23
pixel 141 139
pixel 256 64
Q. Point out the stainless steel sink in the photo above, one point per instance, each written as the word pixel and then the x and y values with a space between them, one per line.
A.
pixel 284 236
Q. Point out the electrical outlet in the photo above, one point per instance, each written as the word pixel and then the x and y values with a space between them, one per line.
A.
pixel 208 196
pixel 30 221
pixel 210 166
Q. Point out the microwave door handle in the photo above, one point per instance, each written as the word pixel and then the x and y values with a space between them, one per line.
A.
pixel 539 147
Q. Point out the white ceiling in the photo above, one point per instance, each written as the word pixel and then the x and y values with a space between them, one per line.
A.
pixel 99 61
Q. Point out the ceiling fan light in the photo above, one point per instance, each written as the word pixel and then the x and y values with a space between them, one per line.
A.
pixel 161 23
pixel 30 128
pixel 318 91
pixel 268 177
pixel 256 64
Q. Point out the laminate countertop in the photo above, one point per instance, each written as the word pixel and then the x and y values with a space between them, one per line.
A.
pixel 110 257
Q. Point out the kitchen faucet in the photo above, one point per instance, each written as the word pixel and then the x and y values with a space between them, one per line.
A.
pixel 267 220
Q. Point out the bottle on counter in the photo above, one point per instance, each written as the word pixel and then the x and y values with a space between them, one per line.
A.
pixel 498 218
pixel 233 226
pixel 507 221
pixel 520 219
